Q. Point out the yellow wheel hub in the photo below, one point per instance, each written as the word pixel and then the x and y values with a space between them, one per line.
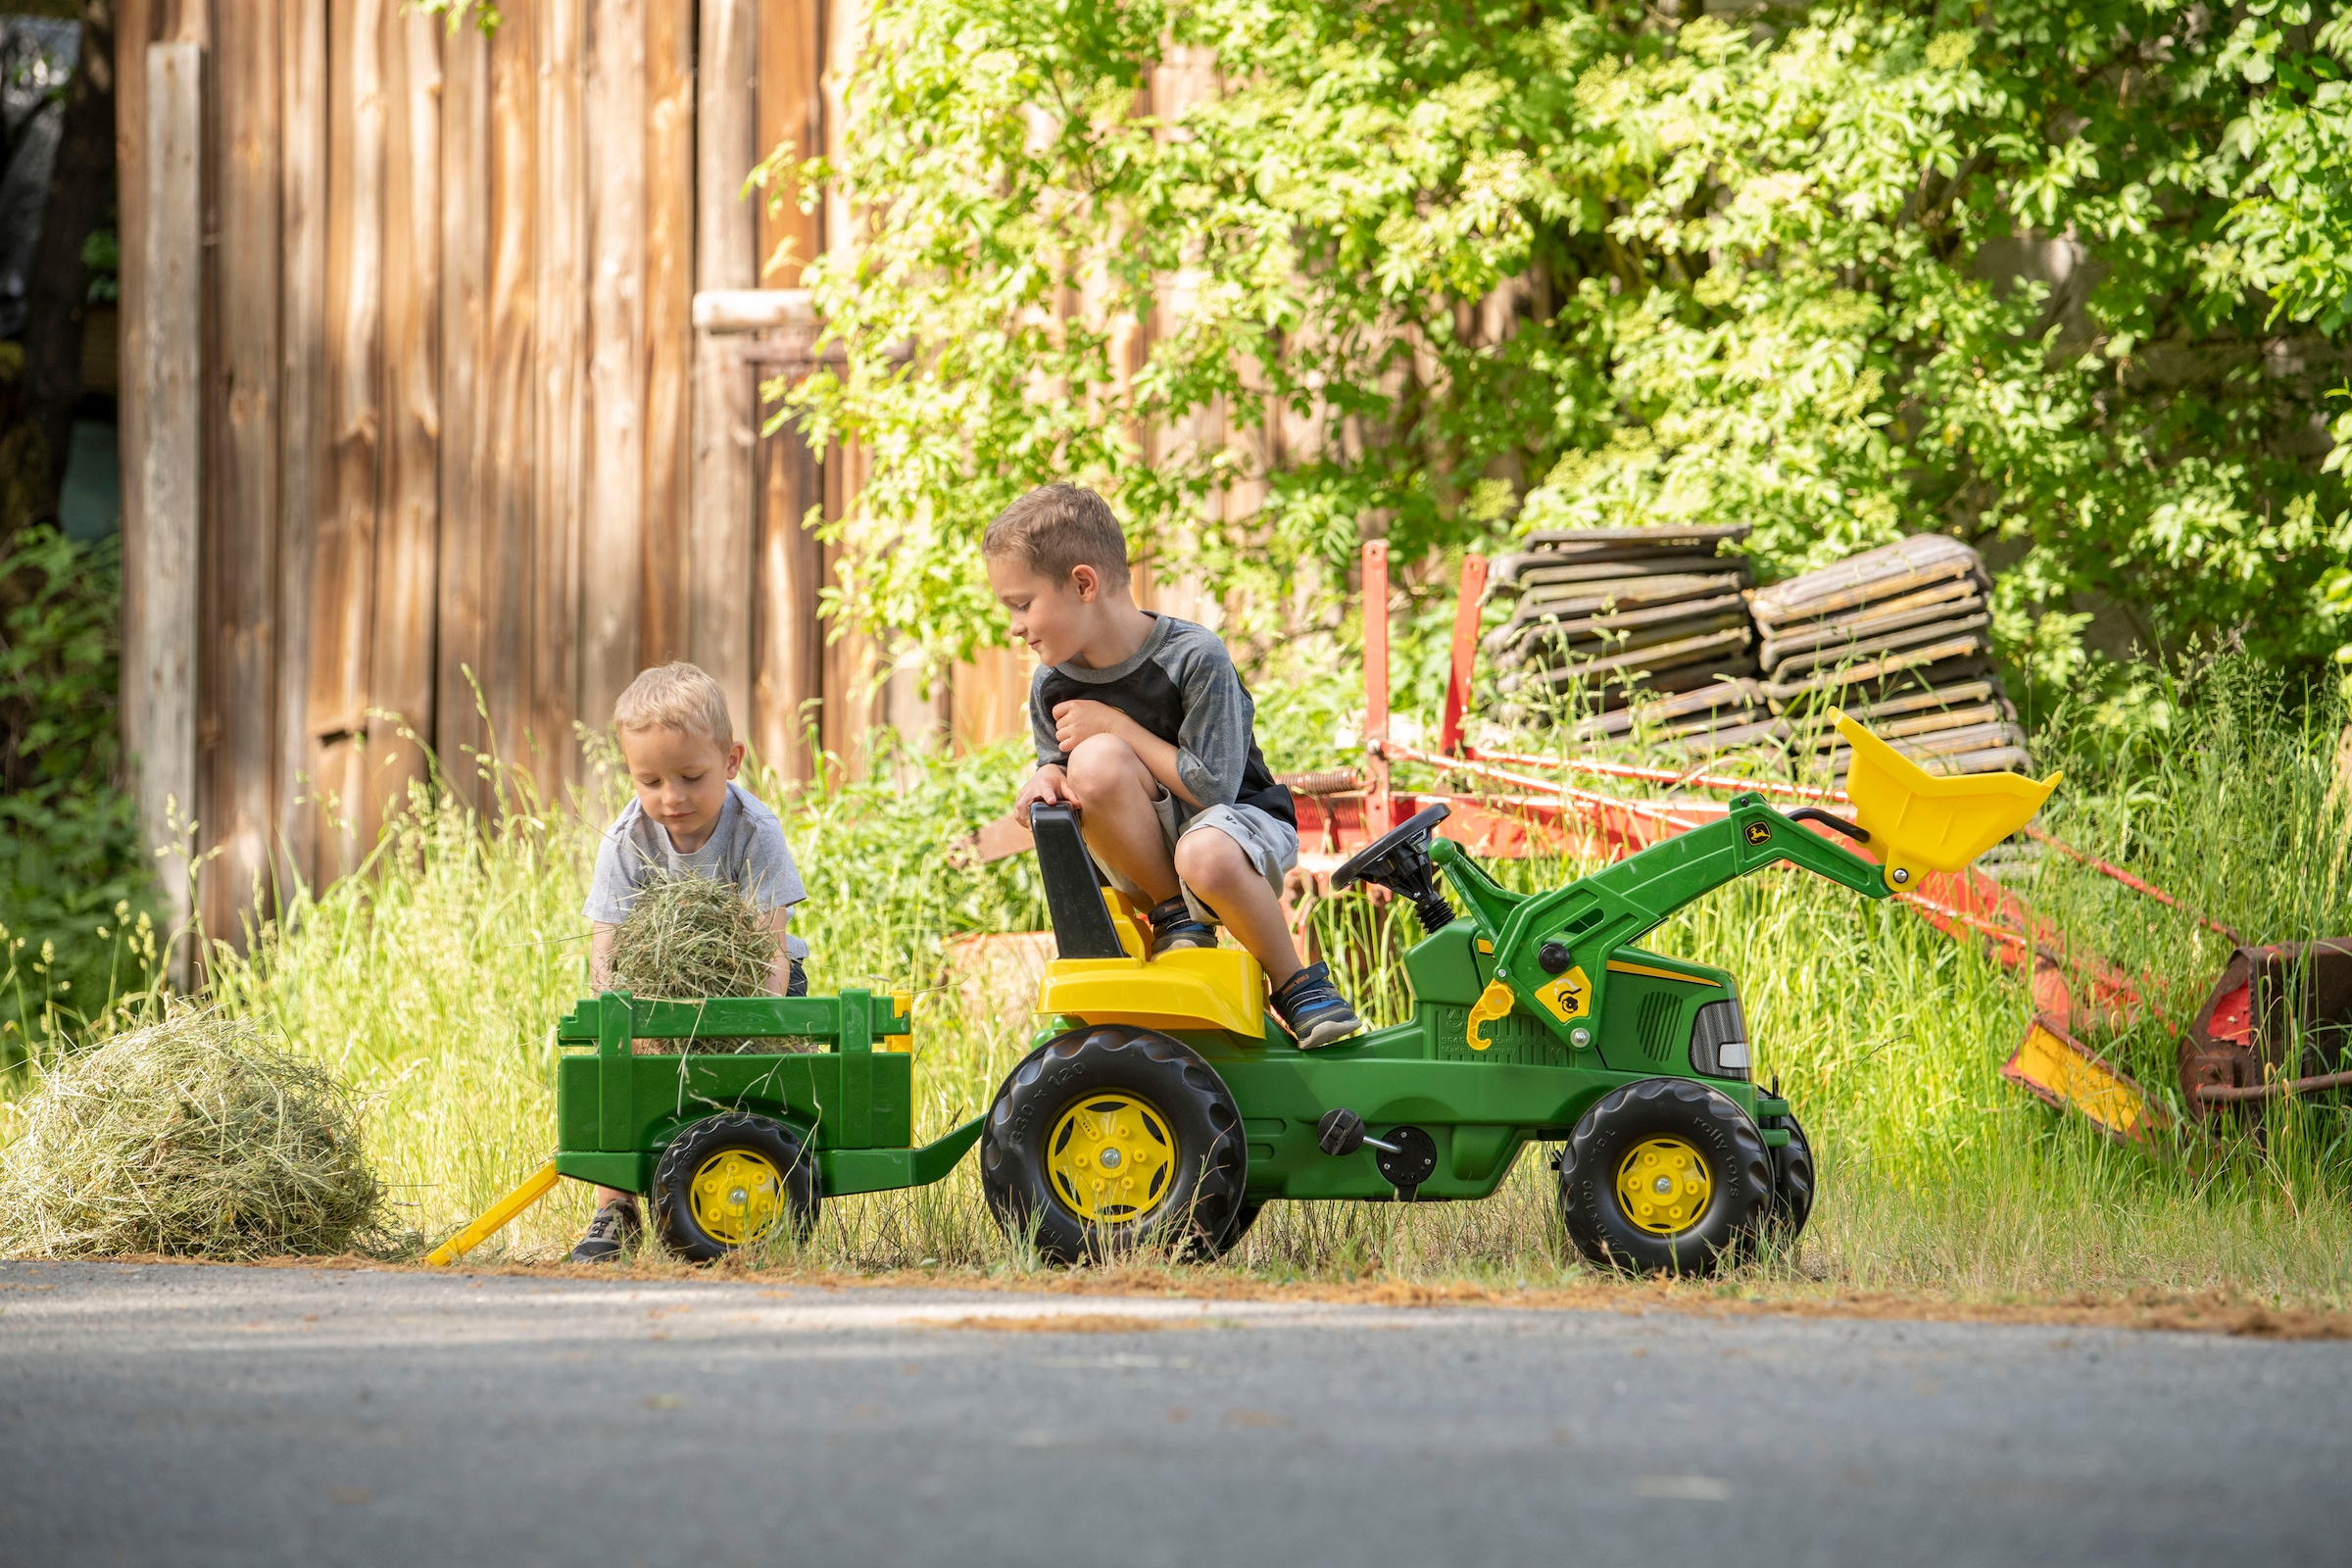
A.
pixel 1111 1158
pixel 738 1197
pixel 1664 1186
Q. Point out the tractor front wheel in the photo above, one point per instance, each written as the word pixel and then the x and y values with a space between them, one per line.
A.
pixel 1105 1139
pixel 1792 1179
pixel 731 1181
pixel 1664 1176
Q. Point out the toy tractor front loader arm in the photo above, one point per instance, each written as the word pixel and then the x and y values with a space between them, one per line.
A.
pixel 1552 949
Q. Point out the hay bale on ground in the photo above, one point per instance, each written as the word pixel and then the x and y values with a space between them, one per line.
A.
pixel 196 1136
pixel 687 937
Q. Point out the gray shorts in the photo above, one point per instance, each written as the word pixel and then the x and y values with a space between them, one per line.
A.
pixel 1271 844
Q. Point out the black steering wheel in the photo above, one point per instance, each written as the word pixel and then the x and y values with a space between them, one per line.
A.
pixel 1399 860
pixel 1364 866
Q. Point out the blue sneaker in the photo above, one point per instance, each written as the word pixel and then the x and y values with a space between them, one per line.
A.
pixel 1313 1009
pixel 1173 927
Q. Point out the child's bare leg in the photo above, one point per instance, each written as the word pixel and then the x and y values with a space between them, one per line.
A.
pixel 1220 875
pixel 1113 792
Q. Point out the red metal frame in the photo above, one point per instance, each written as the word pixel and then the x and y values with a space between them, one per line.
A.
pixel 1472 595
pixel 1379 815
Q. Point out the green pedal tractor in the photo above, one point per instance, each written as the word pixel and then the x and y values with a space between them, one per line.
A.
pixel 1161 1102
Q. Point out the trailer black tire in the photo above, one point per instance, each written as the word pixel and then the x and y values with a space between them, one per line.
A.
pixel 1724 1150
pixel 1792 1179
pixel 1178 1126
pixel 765 1148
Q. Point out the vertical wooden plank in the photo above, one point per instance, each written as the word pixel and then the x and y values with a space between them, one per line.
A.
pixel 989 698
pixel 342 596
pixel 791 107
pixel 790 644
pixel 789 641
pixel 661 628
pixel 400 657
pixel 613 556
pixel 303 473
pixel 854 672
pixel 458 736
pixel 134 29
pixel 509 401
pixel 242 653
pixel 561 314
pixel 170 375
pixel 719 557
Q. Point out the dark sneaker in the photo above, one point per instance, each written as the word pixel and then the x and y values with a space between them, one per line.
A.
pixel 612 1231
pixel 1313 1008
pixel 1173 927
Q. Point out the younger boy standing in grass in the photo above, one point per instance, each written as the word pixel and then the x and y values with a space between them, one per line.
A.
pixel 690 816
pixel 1142 722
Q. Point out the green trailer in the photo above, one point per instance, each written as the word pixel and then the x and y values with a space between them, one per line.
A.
pixel 1161 1100
pixel 731 1146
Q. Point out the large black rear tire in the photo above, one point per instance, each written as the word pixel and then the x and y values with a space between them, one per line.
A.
pixel 1665 1176
pixel 1111 1138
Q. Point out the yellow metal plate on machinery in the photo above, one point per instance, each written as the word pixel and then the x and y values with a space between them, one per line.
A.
pixel 2065 1075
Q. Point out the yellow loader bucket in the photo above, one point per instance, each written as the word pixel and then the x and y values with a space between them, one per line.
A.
pixel 1919 822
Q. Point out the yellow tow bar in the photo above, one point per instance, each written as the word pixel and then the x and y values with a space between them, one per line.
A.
pixel 494 1220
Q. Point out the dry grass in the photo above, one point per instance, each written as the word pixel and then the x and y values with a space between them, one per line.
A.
pixel 196 1136
pixel 687 937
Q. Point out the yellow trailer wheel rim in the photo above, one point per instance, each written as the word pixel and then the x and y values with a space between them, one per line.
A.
pixel 737 1197
pixel 1111 1158
pixel 1664 1186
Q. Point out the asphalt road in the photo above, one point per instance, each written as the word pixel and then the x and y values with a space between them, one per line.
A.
pixel 171 1415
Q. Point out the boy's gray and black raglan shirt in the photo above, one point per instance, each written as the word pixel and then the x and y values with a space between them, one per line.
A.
pixel 746 849
pixel 1182 687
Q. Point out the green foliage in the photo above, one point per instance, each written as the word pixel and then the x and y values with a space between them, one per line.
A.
pixel 1434 271
pixel 71 874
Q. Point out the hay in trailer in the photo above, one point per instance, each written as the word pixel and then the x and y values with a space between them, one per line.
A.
pixel 687 938
pixel 196 1136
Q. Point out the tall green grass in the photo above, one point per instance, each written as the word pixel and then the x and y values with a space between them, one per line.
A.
pixel 433 982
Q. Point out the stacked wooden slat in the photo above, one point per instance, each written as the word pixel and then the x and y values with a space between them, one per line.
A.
pixel 1898 638
pixel 1647 620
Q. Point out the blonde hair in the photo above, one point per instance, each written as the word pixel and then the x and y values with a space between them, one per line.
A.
pixel 679 697
pixel 1056 528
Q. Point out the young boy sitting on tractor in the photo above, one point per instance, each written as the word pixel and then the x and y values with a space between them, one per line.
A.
pixel 1143 724
pixel 690 816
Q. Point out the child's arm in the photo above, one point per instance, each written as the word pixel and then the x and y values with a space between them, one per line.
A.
pixel 1077 720
pixel 779 975
pixel 599 955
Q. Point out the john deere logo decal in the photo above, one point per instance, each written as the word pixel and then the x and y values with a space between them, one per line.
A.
pixel 1758 832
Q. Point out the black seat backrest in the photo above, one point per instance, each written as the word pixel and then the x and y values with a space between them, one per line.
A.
pixel 1082 927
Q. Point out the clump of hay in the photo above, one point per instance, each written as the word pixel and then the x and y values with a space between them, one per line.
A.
pixel 689 937
pixel 195 1137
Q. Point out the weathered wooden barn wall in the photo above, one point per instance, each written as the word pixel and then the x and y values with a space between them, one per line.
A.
pixel 465 461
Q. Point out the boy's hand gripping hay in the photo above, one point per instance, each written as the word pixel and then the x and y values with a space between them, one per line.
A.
pixel 195 1137
pixel 689 937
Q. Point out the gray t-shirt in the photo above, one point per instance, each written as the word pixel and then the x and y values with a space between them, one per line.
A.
pixel 1180 686
pixel 746 847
